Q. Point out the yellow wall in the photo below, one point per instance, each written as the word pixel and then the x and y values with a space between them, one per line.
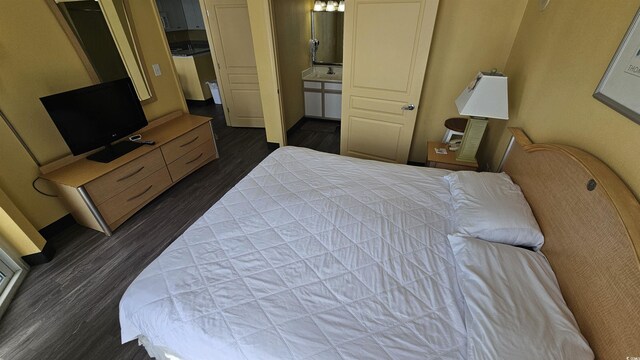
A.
pixel 154 49
pixel 293 31
pixel 16 228
pixel 557 62
pixel 37 59
pixel 469 36
pixel 17 171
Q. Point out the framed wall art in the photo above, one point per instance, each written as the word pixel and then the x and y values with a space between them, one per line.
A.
pixel 620 85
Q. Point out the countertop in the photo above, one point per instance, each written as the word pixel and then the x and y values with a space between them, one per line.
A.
pixel 319 73
pixel 189 52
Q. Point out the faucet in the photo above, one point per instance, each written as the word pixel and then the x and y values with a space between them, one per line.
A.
pixel 330 71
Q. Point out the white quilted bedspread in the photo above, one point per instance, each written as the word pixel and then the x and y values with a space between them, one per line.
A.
pixel 311 256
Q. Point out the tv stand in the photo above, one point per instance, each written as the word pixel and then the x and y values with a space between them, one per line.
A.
pixel 114 151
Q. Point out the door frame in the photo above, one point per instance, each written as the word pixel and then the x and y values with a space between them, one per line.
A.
pixel 263 34
pixel 264 47
pixel 11 258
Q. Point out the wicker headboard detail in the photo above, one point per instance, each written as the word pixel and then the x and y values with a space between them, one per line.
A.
pixel 591 223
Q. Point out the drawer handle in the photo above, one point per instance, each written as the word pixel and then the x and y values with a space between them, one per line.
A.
pixel 194 139
pixel 130 175
pixel 142 193
pixel 197 157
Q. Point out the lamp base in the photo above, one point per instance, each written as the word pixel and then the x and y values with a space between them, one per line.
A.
pixel 471 140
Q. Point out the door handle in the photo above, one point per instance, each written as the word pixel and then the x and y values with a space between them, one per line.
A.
pixel 409 107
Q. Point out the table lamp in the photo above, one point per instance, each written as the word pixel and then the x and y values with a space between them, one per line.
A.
pixel 486 97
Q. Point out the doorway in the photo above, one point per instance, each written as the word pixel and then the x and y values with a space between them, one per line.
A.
pixel 386 46
pixel 184 28
pixel 308 45
pixel 212 50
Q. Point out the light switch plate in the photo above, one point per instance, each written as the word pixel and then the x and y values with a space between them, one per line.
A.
pixel 156 69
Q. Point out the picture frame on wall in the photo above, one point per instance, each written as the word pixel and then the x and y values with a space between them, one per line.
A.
pixel 620 85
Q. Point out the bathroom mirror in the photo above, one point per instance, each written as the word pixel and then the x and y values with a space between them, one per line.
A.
pixel 104 38
pixel 326 32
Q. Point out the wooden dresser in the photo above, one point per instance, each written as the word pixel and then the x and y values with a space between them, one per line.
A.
pixel 102 196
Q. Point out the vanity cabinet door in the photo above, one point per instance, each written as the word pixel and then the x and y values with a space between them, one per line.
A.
pixel 332 105
pixel 313 104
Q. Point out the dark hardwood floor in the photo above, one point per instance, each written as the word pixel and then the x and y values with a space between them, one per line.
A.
pixel 321 135
pixel 68 308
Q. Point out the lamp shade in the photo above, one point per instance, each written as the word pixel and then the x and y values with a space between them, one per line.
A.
pixel 485 97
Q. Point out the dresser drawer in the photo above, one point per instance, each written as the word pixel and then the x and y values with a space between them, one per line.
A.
pixel 106 186
pixel 192 160
pixel 186 143
pixel 136 195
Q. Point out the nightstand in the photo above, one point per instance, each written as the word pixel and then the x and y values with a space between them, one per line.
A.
pixel 447 161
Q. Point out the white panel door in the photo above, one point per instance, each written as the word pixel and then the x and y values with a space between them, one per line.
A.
pixel 332 106
pixel 313 104
pixel 230 33
pixel 386 47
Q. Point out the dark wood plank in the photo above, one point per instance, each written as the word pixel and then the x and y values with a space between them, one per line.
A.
pixel 68 308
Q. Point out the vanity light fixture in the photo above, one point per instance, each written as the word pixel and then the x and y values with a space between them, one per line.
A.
pixel 332 6
pixel 341 6
pixel 319 6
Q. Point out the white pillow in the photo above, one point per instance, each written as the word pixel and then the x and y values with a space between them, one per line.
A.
pixel 514 307
pixel 491 207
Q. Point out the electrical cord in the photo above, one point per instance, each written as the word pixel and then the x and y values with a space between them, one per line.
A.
pixel 33 184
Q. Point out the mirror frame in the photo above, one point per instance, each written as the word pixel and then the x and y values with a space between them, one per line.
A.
pixel 128 46
pixel 314 46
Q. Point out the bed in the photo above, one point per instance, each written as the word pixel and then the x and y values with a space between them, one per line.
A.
pixel 325 257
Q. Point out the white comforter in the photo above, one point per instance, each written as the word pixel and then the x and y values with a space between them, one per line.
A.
pixel 310 256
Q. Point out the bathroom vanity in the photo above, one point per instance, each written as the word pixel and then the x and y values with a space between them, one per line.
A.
pixel 322 82
pixel 322 92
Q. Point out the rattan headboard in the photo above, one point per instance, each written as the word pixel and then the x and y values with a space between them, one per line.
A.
pixel 591 223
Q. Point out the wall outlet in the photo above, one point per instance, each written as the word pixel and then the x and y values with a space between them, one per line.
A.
pixel 156 69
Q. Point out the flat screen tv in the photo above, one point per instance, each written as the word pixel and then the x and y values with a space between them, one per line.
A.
pixel 96 116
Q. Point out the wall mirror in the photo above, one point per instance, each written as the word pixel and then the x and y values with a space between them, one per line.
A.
pixel 326 32
pixel 103 36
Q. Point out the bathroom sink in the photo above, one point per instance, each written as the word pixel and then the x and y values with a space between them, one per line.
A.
pixel 327 77
pixel 320 74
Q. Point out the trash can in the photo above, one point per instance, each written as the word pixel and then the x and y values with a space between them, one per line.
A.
pixel 215 91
